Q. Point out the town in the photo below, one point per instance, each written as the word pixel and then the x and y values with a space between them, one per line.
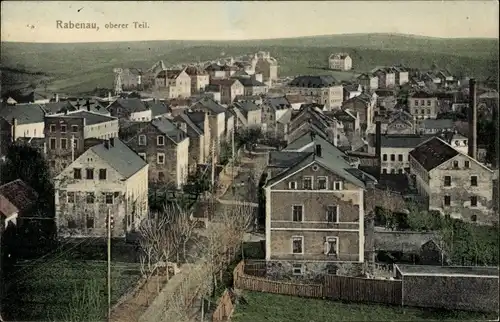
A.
pixel 195 191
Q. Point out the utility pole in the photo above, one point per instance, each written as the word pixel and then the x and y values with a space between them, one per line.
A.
pixel 72 148
pixel 109 264
pixel 233 156
pixel 213 166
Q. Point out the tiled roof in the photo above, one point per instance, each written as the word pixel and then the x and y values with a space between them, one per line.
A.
pixel 19 195
pixel 169 129
pixel 23 113
pixel 120 157
pixel 351 87
pixel 170 73
pixel 295 98
pixel 91 118
pixel 314 81
pixel 158 108
pixel 213 67
pixel 339 56
pixel 250 82
pixel 223 82
pixel 132 105
pixel 402 141
pixel 58 107
pixel 193 70
pixel 433 153
pixel 285 118
pixel 343 115
pixel 247 106
pixel 384 93
pixel 278 103
pixel 193 130
pixel 285 159
pixel 437 124
pixel 197 118
pixel 422 94
pixel 209 104
pixel 364 76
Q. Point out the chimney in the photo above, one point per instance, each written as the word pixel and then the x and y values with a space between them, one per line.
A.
pixel 56 97
pixel 109 96
pixel 88 105
pixel 318 150
pixel 13 129
pixel 106 144
pixel 378 138
pixel 472 118
pixel 112 142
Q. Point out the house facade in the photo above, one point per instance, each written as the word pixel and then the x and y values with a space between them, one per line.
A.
pixel 20 121
pixel 229 89
pixel 217 123
pixel 132 109
pixel 364 105
pixel 173 83
pixel 453 183
pixel 368 81
pixel 199 79
pixel 267 66
pixel 318 89
pixel 131 78
pixel 340 61
pixel 196 149
pixel 423 105
pixel 252 86
pixel 251 112
pixel 108 179
pixel 386 78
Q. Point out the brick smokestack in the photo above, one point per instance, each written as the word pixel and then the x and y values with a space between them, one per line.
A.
pixel 472 118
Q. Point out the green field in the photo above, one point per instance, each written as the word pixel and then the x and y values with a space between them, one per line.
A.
pixel 77 68
pixel 278 308
pixel 47 291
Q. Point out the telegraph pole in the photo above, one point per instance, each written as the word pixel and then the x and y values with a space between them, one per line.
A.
pixel 232 150
pixel 72 148
pixel 213 166
pixel 109 264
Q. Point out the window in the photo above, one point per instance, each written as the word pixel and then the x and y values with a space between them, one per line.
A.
pixel 102 174
pixel 331 246
pixel 161 176
pixel 142 140
pixel 473 201
pixel 297 213
pixel 109 198
pixel 64 165
pixel 384 171
pixel 75 144
pixel 428 102
pixel 428 112
pixel 384 157
pixel 307 183
pixel 297 269
pixel 473 218
pixel 160 140
pixel 90 197
pixel 332 213
pixel 64 143
pixel 455 164
pixel 457 143
pixel 297 245
pixel 447 200
pixel 393 157
pixel 416 102
pixel 447 181
pixel 72 224
pixel 89 173
pixel 322 183
pixel 473 181
pixel 422 102
pixel 52 143
pixel 74 128
pixel 400 157
pixel 52 127
pixel 77 173
pixel 63 128
pixel 142 155
pixel 393 171
pixel 90 221
pixel 467 164
pixel 70 197
pixel 292 185
pixel 400 171
pixel 160 158
pixel 337 185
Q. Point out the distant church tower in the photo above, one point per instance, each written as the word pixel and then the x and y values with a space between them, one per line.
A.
pixel 118 80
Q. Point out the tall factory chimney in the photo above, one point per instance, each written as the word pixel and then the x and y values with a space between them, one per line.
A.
pixel 472 118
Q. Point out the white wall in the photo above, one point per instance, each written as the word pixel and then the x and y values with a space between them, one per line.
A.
pixel 31 130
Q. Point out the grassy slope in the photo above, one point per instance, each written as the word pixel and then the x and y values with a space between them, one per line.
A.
pixel 279 308
pixel 83 66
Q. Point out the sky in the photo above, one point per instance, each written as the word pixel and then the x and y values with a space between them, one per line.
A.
pixel 36 21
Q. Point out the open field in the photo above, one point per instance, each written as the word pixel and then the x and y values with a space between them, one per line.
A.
pixel 278 308
pixel 47 290
pixel 81 67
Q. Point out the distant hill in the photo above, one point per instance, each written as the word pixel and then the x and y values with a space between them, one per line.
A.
pixel 83 66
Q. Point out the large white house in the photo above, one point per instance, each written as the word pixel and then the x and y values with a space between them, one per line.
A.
pixel 340 61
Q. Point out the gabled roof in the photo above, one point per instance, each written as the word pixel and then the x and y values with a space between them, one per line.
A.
pixel 171 131
pixel 422 94
pixel 120 157
pixel 193 71
pixel 250 82
pixel 23 113
pixel 437 124
pixel 132 105
pixel 169 73
pixel 295 98
pixel 247 106
pixel 285 118
pixel 19 195
pixel 157 108
pixel 58 107
pixel 91 118
pixel 343 115
pixel 314 81
pixel 197 118
pixel 401 140
pixel 224 82
pixel 193 130
pixel 339 56
pixel 365 76
pixel 209 104
pixel 433 153
pixel 278 103
pixel 157 67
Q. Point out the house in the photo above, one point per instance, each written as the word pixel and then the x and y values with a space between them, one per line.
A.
pixel 252 86
pixel 401 75
pixel 173 83
pixel 432 126
pixel 20 121
pixel 229 124
pixel 217 120
pixel 215 71
pixel 149 77
pixel 340 61
pixel 109 179
pixel 164 146
pixel 267 66
pixel 17 199
pixel 318 89
pixel 295 101
pixel 386 78
pixel 314 210
pixel 400 122
pixel 452 182
pixel 352 90
pixel 282 125
pixel 349 119
pixel 256 99
pixel 386 99
pixel 89 104
pixel 202 121
pixel 199 78
pixel 132 109
pixel 131 79
pixel 26 96
pixel 446 78
pixel 423 105
pixel 458 142
pixel 160 109
pixel 196 149
pixel 368 81
pixel 65 135
pixel 364 105
pixel 248 114
pixel 61 107
pixel 229 89
pixel 273 109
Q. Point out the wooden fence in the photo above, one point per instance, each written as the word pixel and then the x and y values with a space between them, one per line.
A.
pixel 224 308
pixel 342 288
